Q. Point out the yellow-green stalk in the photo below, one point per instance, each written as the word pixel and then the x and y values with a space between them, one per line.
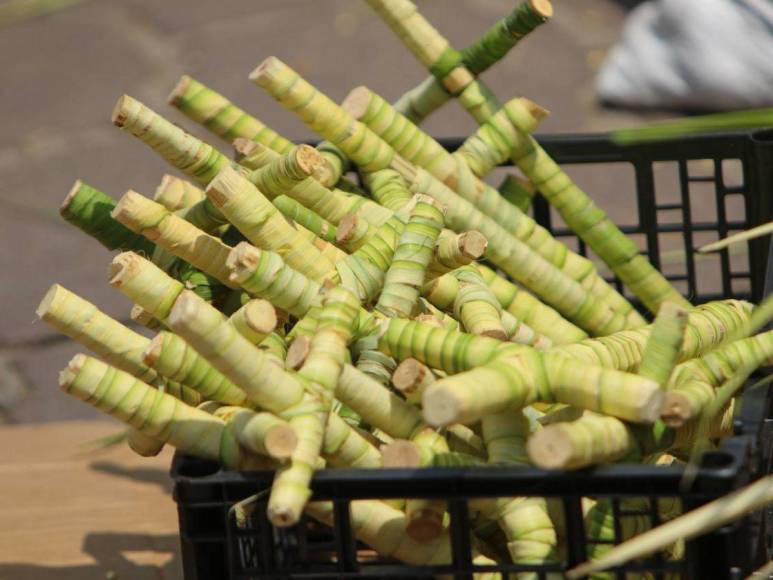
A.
pixel 411 378
pixel 435 53
pixel 174 359
pixel 693 384
pixel 264 274
pixel 141 316
pixel 189 154
pixel 258 374
pixel 175 193
pixel 522 333
pixel 588 221
pixel 456 250
pixel 290 175
pixel 255 320
pixel 529 376
pixel 226 120
pixel 528 309
pixel 113 342
pixel 416 452
pixel 439 348
pixel 274 347
pixel 475 305
pixel 262 433
pixel 377 405
pixel 600 525
pixel 517 190
pixel 664 343
pixel 384 529
pixel 264 226
pixel 708 326
pixel 90 210
pixel 174 234
pixel 82 321
pixel 531 537
pixel 493 45
pixel 145 284
pixel 597 439
pixel 504 435
pixel 411 258
pixel 435 316
pixel 290 490
pixel 577 209
pixel 388 187
pixel 154 413
pixel 221 116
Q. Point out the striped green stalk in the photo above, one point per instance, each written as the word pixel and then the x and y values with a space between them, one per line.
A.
pixel 418 103
pixel 155 413
pixel 221 116
pixel 693 384
pixel 457 288
pixel 113 342
pixel 664 343
pixel 266 383
pixel 411 378
pixel 588 221
pixel 600 526
pixel 529 376
pixel 174 359
pixel 720 512
pixel 597 439
pixel 90 210
pixel 321 370
pixel 440 348
pixel 260 432
pixel 531 537
pixel 383 527
pixel 413 253
pixel 176 235
pixel 475 305
pixel 402 282
pixel 175 193
pixel 456 250
pixel 190 155
pixel 435 53
pixel 264 274
pixel 525 307
pixel 388 188
pixel 256 319
pixel 262 224
pixel 708 326
pixel 306 218
pixel 226 120
pixel 518 191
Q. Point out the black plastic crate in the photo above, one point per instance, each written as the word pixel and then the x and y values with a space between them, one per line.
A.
pixel 731 173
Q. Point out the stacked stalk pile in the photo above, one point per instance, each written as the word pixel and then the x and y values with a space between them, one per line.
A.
pixel 303 322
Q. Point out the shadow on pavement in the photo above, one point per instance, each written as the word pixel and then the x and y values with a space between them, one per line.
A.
pixel 116 556
pixel 156 476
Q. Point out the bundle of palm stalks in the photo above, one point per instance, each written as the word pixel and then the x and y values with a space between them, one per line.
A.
pixel 416 318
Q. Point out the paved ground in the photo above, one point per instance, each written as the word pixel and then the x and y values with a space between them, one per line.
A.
pixel 63 72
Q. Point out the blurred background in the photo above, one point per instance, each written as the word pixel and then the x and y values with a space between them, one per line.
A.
pixel 63 71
